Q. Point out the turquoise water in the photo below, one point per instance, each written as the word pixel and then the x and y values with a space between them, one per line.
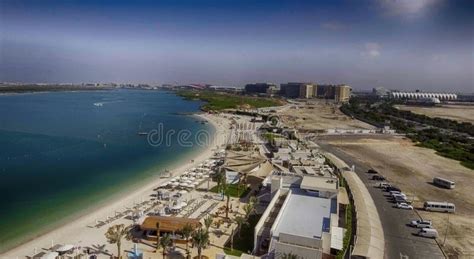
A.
pixel 60 153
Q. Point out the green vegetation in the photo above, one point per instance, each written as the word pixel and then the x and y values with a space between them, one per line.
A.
pixel 348 234
pixel 217 101
pixel 232 190
pixel 448 137
pixel 270 137
pixel 244 243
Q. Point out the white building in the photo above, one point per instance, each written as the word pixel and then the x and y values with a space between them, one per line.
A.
pixel 300 218
pixel 421 95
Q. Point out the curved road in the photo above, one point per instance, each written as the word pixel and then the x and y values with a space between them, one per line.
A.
pixel 400 241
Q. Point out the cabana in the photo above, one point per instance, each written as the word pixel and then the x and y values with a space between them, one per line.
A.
pixel 156 226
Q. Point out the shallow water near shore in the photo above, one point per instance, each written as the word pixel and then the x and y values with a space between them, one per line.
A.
pixel 62 153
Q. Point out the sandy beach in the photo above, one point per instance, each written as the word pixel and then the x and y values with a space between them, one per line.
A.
pixel 78 231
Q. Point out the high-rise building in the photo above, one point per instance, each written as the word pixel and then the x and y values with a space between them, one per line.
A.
pixel 342 93
pixel 306 91
pixel 338 93
pixel 325 91
pixel 297 90
pixel 259 88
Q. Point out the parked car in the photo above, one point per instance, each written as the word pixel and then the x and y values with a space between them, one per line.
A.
pixel 421 223
pixel 383 185
pixel 395 192
pixel 372 171
pixel 378 177
pixel 392 188
pixel 399 199
pixel 404 205
pixel 428 232
pixel 399 196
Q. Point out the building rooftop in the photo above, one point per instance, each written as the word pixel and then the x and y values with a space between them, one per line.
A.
pixel 167 223
pixel 318 183
pixel 304 215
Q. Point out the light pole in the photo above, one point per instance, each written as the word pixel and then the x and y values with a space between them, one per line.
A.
pixel 446 232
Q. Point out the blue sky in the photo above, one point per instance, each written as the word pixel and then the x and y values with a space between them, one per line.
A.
pixel 399 44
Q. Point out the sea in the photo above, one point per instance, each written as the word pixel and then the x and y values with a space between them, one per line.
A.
pixel 62 153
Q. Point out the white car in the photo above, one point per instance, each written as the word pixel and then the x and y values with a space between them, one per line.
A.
pixel 421 223
pixel 404 206
pixel 428 232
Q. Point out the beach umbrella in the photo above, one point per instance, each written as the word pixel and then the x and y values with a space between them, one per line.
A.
pixel 174 184
pixel 64 248
pixel 51 255
pixel 199 175
pixel 177 207
pixel 183 192
pixel 192 174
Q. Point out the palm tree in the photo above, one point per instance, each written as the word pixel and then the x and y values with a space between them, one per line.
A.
pixel 164 242
pixel 200 240
pixel 248 209
pixel 220 178
pixel 253 200
pixel 187 231
pixel 115 234
pixel 208 222
pixel 157 236
pixel 240 221
pixel 227 208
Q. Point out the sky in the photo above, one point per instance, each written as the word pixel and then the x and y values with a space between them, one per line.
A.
pixel 397 44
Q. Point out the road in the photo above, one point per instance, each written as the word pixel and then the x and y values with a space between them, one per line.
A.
pixel 400 241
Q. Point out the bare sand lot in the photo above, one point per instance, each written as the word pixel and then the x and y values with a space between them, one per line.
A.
pixel 412 169
pixel 460 113
pixel 319 115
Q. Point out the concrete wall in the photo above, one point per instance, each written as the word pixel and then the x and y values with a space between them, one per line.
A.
pixel 301 252
pixel 300 241
pixel 263 218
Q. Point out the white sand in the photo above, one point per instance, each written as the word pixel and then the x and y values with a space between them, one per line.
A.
pixel 77 231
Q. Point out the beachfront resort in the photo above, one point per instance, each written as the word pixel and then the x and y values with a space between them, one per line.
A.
pixel 259 191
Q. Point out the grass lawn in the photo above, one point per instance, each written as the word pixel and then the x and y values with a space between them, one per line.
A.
pixel 219 101
pixel 232 190
pixel 245 242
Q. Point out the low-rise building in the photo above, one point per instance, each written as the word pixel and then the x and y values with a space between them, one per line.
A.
pixel 300 217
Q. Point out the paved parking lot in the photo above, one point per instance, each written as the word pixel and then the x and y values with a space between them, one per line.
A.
pixel 400 239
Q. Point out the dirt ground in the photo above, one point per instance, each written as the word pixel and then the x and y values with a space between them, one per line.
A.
pixel 460 113
pixel 412 169
pixel 319 115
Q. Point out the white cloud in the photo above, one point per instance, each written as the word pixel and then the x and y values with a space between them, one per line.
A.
pixel 371 50
pixel 406 8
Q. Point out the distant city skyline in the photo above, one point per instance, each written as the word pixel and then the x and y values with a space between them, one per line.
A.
pixel 403 44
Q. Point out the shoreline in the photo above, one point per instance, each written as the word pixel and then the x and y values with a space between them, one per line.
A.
pixel 78 222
